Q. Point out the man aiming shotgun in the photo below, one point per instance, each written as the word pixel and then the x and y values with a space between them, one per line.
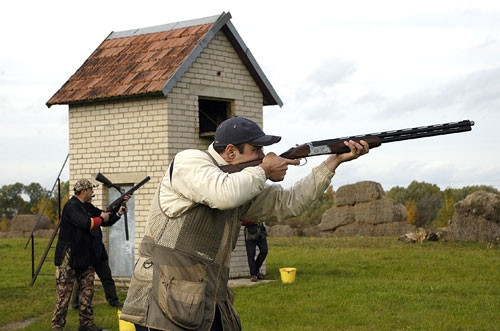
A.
pixel 181 275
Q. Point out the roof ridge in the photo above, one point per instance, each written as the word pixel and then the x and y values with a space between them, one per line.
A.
pixel 164 27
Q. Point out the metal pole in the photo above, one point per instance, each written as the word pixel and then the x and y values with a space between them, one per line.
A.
pixel 46 202
pixel 32 255
pixel 59 198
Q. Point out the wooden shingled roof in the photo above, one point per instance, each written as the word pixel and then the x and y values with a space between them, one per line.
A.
pixel 150 61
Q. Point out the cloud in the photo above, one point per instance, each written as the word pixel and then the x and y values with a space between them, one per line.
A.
pixel 319 97
pixel 331 72
pixel 339 70
pixel 476 92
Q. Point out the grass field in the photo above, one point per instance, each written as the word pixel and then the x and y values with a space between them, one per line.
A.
pixel 356 283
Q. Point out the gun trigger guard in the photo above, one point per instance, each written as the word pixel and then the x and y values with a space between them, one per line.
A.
pixel 303 164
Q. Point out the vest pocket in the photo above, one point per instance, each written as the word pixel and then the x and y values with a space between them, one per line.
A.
pixel 182 301
pixel 135 307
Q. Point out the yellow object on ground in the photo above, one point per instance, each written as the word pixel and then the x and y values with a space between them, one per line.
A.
pixel 124 325
pixel 288 275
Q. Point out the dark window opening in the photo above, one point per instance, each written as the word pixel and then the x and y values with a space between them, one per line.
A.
pixel 211 114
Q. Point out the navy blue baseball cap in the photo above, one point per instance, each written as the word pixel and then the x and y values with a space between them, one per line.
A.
pixel 239 130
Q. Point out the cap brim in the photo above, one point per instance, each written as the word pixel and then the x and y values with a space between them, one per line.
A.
pixel 265 140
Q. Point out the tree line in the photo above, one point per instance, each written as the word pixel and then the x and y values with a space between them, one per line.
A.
pixel 30 199
pixel 425 203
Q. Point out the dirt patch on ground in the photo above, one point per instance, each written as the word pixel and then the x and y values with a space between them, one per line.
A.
pixel 18 325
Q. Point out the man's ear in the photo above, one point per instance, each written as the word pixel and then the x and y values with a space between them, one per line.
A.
pixel 229 153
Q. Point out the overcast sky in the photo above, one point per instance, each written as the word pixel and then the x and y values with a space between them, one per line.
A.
pixel 341 68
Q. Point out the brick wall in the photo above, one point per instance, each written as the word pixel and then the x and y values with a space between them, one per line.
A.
pixel 130 139
pixel 123 140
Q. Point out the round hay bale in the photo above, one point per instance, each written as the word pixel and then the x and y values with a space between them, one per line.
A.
pixel 360 192
pixel 379 211
pixel 43 233
pixel 311 231
pixel 335 217
pixel 481 204
pixel 26 223
pixel 476 218
pixel 281 231
pixel 15 234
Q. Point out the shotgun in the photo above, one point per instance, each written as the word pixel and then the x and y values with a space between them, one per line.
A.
pixel 336 146
pixel 115 205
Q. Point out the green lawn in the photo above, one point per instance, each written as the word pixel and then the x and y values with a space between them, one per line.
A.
pixel 376 284
pixel 357 283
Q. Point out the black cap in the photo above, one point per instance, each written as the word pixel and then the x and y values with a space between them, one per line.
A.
pixel 238 130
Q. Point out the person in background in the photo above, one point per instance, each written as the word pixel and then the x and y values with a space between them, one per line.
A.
pixel 102 269
pixel 180 279
pixel 75 255
pixel 255 236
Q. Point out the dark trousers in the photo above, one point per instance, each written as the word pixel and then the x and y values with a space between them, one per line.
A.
pixel 255 263
pixel 104 272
